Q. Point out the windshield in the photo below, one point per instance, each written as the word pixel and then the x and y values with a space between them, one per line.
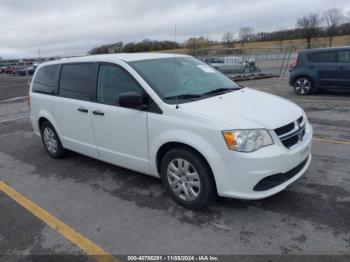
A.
pixel 182 78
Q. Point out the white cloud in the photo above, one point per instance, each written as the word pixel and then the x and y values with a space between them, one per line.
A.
pixel 68 27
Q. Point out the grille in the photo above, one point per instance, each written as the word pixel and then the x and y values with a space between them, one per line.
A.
pixel 292 133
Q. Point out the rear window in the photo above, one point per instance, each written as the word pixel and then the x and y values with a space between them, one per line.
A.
pixel 323 57
pixel 76 80
pixel 46 79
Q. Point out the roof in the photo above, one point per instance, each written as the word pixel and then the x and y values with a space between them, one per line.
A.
pixel 326 49
pixel 127 57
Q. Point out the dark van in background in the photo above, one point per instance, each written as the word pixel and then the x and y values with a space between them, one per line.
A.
pixel 324 68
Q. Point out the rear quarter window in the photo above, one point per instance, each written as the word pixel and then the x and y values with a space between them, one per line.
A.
pixel 46 79
pixel 323 57
pixel 76 80
pixel 344 56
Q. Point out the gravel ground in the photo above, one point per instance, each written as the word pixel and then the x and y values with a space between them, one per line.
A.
pixel 13 86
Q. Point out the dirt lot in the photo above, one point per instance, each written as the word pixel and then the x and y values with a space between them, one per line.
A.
pixel 128 213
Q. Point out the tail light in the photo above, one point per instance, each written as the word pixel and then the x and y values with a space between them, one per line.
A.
pixel 297 61
pixel 29 102
pixel 294 64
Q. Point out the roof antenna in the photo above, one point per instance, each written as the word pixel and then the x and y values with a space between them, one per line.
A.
pixel 177 105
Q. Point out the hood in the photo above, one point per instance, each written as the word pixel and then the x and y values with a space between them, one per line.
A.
pixel 246 109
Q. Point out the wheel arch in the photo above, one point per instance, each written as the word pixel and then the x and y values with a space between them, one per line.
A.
pixel 41 121
pixel 44 116
pixel 305 76
pixel 313 77
pixel 166 147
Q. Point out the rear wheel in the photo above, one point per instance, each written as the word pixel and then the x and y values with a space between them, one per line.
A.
pixel 303 86
pixel 187 178
pixel 51 141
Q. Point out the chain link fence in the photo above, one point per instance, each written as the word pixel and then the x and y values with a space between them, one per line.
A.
pixel 250 62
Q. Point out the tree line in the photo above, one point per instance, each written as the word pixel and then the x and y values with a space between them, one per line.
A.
pixel 143 46
pixel 328 24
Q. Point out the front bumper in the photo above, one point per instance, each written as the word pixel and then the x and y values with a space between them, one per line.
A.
pixel 239 173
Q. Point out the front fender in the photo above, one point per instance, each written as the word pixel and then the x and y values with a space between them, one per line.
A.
pixel 192 139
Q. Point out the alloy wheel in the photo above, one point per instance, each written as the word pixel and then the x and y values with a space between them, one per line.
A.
pixel 303 86
pixel 50 140
pixel 183 179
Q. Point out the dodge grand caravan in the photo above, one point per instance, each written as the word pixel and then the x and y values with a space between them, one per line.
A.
pixel 173 117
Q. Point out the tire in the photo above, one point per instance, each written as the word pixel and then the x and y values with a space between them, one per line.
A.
pixel 184 170
pixel 303 86
pixel 51 141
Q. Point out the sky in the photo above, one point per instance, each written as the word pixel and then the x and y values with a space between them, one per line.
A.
pixel 73 27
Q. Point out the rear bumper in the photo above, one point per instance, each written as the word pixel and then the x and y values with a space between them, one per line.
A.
pixel 291 79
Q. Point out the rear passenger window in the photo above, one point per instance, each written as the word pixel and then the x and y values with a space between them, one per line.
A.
pixel 76 80
pixel 46 79
pixel 113 81
pixel 344 56
pixel 323 57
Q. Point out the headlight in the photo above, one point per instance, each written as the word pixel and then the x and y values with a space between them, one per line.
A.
pixel 305 117
pixel 248 140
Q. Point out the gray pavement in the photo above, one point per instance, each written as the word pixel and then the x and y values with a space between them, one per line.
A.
pixel 129 213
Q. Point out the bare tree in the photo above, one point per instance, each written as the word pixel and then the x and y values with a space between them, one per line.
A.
pixel 281 36
pixel 332 19
pixel 245 34
pixel 197 42
pixel 308 25
pixel 228 39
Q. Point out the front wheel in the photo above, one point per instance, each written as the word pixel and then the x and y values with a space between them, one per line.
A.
pixel 188 178
pixel 303 86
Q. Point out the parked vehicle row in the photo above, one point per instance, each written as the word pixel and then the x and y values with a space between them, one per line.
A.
pixel 173 117
pixel 18 70
pixel 232 64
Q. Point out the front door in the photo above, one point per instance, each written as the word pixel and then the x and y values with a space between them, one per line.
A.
pixel 120 133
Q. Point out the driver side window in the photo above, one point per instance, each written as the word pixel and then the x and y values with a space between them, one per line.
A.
pixel 112 82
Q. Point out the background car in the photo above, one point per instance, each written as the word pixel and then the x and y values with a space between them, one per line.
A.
pixel 326 68
pixel 16 69
pixel 29 70
pixel 9 69
pixel 232 64
pixel 2 69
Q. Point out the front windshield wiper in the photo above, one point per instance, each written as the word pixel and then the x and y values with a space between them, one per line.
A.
pixel 182 96
pixel 220 91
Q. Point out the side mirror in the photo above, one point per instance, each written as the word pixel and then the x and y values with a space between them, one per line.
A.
pixel 132 100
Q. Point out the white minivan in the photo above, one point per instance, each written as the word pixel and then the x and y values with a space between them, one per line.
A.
pixel 173 117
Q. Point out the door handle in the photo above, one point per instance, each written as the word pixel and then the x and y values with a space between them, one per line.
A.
pixel 82 109
pixel 98 113
pixel 341 67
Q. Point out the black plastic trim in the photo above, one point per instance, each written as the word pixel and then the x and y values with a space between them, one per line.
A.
pixel 277 179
